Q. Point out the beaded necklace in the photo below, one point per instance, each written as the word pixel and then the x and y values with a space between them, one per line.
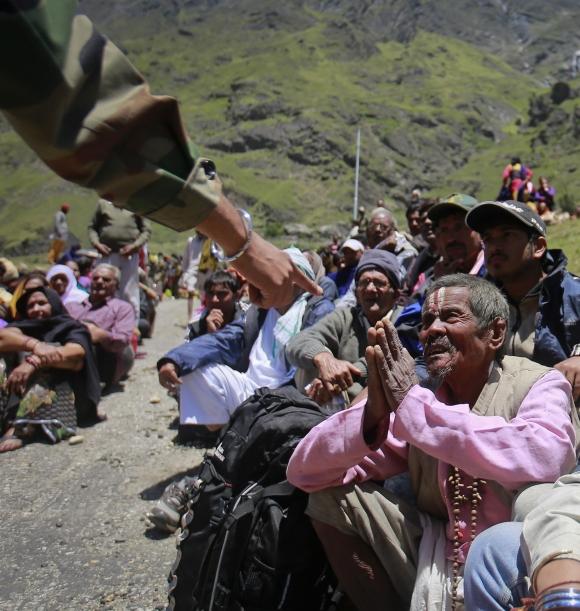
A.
pixel 459 497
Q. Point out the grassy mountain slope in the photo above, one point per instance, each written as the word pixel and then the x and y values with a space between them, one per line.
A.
pixel 274 93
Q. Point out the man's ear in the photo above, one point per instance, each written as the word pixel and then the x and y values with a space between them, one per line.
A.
pixel 497 333
pixel 540 245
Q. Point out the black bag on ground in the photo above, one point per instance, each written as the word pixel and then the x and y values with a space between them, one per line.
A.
pixel 245 543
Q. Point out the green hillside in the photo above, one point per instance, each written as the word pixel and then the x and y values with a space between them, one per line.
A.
pixel 275 94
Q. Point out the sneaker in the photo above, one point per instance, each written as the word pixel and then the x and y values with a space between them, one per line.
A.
pixel 166 515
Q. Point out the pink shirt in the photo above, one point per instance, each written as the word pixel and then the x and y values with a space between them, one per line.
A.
pixel 114 315
pixel 535 446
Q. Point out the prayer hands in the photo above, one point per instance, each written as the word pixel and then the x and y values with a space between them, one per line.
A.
pixel 214 320
pixel 391 371
pixel 168 377
pixel 571 369
pixel 395 364
pixel 18 378
pixel 335 375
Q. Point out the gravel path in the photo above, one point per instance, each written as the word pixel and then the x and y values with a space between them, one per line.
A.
pixel 72 531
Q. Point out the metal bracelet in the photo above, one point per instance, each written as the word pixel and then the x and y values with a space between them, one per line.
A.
pixel 565 598
pixel 247 220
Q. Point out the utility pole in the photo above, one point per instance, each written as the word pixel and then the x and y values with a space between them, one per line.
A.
pixel 575 64
pixel 356 173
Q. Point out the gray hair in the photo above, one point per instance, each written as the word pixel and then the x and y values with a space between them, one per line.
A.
pixel 378 212
pixel 110 268
pixel 486 301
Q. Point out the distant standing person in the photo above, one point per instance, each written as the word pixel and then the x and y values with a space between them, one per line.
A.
pixel 118 234
pixel 59 235
pixel 190 266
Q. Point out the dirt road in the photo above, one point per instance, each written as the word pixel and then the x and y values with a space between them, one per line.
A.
pixel 72 529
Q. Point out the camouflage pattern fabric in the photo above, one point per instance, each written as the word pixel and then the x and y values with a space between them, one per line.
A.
pixel 89 115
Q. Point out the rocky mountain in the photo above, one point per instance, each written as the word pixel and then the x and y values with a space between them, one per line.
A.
pixel 444 91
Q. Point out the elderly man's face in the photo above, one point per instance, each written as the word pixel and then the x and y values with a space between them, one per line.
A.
pixel 453 343
pixel 379 228
pixel 375 294
pixel 456 241
pixel 103 285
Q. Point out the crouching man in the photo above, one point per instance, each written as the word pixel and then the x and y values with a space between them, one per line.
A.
pixel 494 425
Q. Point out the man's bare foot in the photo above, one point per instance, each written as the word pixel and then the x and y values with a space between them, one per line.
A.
pixel 10 441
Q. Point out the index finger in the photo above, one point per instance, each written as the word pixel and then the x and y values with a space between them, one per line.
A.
pixel 301 280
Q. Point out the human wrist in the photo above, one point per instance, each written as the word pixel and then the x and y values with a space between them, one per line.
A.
pixel 322 357
pixel 33 361
pixel 561 597
pixel 225 226
pixel 31 347
pixel 231 255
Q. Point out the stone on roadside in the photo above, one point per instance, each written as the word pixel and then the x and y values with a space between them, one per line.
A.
pixel 75 440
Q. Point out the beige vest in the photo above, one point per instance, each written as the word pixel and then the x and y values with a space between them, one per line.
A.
pixel 508 383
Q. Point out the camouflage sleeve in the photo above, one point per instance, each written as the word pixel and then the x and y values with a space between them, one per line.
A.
pixel 99 125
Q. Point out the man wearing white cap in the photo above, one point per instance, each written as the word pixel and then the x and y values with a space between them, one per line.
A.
pixel 351 251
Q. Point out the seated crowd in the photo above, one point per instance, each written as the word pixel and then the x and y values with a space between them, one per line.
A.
pixel 62 346
pixel 450 356
pixel 426 463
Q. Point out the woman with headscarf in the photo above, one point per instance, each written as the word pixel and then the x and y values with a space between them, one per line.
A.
pixel 56 384
pixel 32 280
pixel 62 280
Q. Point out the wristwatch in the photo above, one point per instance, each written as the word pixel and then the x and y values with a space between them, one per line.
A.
pixel 248 224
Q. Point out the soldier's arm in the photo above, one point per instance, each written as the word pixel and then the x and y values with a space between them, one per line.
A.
pixel 99 124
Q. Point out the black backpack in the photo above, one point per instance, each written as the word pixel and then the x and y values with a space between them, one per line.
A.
pixel 245 543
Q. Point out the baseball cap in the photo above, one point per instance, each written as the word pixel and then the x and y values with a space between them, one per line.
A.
pixel 353 245
pixel 493 213
pixel 456 202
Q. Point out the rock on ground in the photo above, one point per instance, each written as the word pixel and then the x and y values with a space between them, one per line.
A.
pixel 72 529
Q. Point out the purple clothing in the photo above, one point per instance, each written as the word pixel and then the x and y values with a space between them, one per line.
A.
pixel 546 195
pixel 535 446
pixel 343 278
pixel 115 316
